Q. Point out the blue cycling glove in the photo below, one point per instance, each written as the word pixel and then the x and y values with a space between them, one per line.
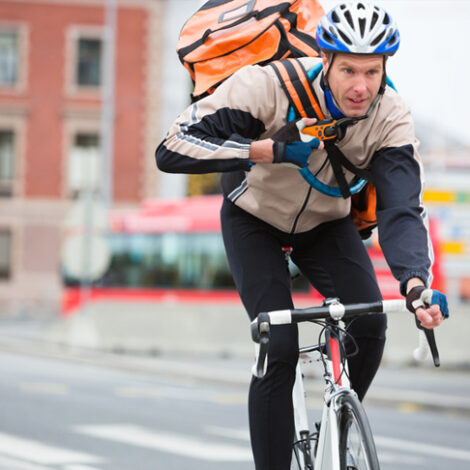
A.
pixel 288 147
pixel 421 296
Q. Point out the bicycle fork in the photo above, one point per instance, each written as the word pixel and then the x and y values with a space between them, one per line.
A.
pixel 327 455
pixel 302 432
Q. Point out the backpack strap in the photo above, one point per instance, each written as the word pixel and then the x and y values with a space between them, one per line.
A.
pixel 298 88
pixel 303 99
pixel 338 162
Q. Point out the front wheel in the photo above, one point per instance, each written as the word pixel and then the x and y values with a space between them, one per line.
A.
pixel 356 444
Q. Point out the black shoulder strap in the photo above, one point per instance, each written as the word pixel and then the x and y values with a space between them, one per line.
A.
pixel 338 161
pixel 298 88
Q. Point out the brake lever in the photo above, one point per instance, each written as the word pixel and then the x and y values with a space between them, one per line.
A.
pixel 260 333
pixel 431 339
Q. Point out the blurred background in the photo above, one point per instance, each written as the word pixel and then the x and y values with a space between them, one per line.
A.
pixel 123 344
pixel 87 92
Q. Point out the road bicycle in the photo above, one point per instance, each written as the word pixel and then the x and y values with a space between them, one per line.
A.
pixel 343 439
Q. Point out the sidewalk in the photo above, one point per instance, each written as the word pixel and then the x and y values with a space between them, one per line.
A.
pixel 444 389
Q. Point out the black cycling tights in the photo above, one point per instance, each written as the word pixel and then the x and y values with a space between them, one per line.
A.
pixel 335 261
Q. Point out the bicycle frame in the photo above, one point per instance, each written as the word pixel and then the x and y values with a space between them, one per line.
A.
pixel 337 384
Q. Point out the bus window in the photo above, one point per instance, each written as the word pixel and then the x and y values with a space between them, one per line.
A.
pixel 169 261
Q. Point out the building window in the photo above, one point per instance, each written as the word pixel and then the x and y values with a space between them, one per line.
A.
pixel 9 57
pixel 89 62
pixel 7 153
pixel 5 254
pixel 84 164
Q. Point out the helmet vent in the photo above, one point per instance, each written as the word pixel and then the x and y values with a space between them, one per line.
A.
pixel 374 19
pixel 386 19
pixel 345 38
pixel 328 38
pixel 393 40
pixel 362 26
pixel 335 17
pixel 349 19
pixel 377 39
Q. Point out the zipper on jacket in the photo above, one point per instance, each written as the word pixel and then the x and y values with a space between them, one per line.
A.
pixel 301 210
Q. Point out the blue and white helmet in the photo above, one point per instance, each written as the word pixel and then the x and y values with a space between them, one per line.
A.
pixel 358 28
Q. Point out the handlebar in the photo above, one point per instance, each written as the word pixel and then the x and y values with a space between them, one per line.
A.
pixel 331 309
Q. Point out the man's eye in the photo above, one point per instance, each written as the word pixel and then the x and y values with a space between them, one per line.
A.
pixel 348 71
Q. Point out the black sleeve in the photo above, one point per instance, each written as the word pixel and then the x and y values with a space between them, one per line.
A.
pixel 403 235
pixel 220 132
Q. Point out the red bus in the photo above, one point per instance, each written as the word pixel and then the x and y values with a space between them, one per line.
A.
pixel 172 250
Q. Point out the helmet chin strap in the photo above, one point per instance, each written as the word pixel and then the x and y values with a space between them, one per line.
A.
pixel 330 99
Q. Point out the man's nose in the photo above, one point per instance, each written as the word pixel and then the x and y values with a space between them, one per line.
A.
pixel 360 85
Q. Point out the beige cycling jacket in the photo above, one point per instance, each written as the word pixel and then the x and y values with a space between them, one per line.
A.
pixel 214 135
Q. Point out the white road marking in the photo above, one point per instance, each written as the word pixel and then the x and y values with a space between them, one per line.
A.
pixel 381 441
pixel 403 459
pixel 79 467
pixel 173 443
pixel 44 387
pixel 420 448
pixel 13 464
pixel 241 434
pixel 36 452
pixel 157 393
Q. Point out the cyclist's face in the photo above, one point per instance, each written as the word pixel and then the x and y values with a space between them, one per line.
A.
pixel 354 81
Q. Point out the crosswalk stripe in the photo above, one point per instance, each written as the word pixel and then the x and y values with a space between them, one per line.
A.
pixel 400 459
pixel 79 467
pixel 412 447
pixel 36 452
pixel 13 464
pixel 169 442
pixel 44 388
pixel 241 434
pixel 420 448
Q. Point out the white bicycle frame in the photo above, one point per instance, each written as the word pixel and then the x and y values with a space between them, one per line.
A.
pixel 327 455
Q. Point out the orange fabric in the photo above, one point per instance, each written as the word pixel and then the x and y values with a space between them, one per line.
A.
pixel 308 13
pixel 302 46
pixel 363 207
pixel 209 73
pixel 312 99
pixel 228 48
pixel 291 90
pixel 204 19
pixel 229 40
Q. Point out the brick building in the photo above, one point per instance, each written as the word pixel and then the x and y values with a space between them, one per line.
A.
pixel 51 76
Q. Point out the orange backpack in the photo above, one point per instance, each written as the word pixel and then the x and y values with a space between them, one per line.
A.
pixel 225 35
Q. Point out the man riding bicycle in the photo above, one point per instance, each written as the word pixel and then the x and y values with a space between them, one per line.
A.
pixel 241 131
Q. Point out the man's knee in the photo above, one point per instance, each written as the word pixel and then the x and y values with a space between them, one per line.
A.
pixel 284 345
pixel 369 326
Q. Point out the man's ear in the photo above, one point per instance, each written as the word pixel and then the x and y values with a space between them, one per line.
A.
pixel 325 62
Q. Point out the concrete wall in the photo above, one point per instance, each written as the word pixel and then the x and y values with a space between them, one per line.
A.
pixel 224 330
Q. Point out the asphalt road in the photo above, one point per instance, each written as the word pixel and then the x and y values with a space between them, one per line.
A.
pixel 63 415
